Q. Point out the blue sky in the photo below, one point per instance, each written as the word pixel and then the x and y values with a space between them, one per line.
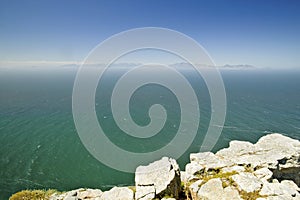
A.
pixel 261 33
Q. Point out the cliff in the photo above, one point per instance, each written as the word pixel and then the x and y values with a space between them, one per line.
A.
pixel 267 170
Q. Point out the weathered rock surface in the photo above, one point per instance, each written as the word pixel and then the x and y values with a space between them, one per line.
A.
pixel 213 189
pixel 269 169
pixel 91 194
pixel 118 193
pixel 276 152
pixel 158 179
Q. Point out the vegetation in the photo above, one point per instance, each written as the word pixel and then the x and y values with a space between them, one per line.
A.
pixel 211 174
pixel 250 195
pixel 33 195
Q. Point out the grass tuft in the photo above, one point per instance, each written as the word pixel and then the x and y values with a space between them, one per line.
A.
pixel 33 195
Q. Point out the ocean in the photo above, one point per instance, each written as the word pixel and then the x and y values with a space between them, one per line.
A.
pixel 40 147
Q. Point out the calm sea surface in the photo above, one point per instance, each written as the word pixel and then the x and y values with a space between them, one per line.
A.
pixel 40 148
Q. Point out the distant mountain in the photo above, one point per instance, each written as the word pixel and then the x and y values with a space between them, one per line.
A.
pixel 237 66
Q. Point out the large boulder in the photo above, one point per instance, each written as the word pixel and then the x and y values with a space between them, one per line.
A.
pixel 158 179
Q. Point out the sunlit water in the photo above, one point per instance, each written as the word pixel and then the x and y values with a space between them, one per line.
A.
pixel 40 148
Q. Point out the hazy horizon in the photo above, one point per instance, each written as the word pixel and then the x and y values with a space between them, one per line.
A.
pixel 259 33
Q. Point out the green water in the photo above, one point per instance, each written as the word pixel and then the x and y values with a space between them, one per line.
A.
pixel 40 148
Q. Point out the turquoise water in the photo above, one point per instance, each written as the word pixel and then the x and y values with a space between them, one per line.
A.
pixel 40 148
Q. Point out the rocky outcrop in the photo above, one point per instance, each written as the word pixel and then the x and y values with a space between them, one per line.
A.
pixel 91 194
pixel 158 179
pixel 267 170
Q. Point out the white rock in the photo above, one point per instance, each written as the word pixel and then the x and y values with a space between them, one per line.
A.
pixel 286 189
pixel 163 175
pixel 279 153
pixel 237 148
pixel 145 192
pixel 191 169
pixel 231 194
pixel 118 193
pixel 183 176
pixel 194 187
pixel 71 198
pixel 211 190
pixel 89 193
pixel 209 160
pixel 290 184
pixel 264 174
pixel 247 182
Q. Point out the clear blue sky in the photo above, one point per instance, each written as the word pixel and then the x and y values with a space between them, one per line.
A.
pixel 262 33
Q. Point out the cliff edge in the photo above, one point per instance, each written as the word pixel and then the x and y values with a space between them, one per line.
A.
pixel 267 170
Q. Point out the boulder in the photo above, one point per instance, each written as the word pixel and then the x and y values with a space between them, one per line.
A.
pixel 117 193
pixel 247 182
pixel 160 178
pixel 285 188
pixel 213 190
pixel 209 160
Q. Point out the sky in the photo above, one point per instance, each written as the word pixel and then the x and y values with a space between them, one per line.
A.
pixel 260 33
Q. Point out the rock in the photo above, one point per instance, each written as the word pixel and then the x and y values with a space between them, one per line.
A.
pixel 89 193
pixel 118 193
pixel 231 194
pixel 209 160
pixel 162 176
pixel 290 184
pixel 247 182
pixel 70 198
pixel 278 153
pixel 194 187
pixel 191 169
pixel 211 190
pixel 264 174
pixel 285 189
pixel 237 148
pixel 183 176
pixel 77 194
pixel 145 192
pixel 70 195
